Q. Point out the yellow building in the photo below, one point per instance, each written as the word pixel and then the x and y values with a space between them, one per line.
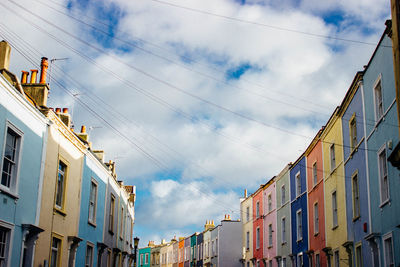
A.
pixel 59 211
pixel 334 191
pixel 246 212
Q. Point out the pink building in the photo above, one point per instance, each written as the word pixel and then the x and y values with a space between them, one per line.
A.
pixel 269 222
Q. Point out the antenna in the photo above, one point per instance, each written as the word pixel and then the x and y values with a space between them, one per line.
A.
pixel 51 63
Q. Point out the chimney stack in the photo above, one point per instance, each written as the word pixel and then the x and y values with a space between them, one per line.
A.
pixel 43 70
pixel 83 134
pixel 64 116
pixel 99 154
pixel 5 51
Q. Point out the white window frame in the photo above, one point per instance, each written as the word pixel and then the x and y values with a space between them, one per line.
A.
pixel 353 132
pixel 316 218
pixel 378 116
pixel 92 216
pixel 283 195
pixel 270 230
pixel 335 221
pixel 146 258
pixel 248 213
pixel 14 180
pixel 355 192
pixel 90 263
pixel 299 225
pixel 298 184
pixel 357 263
pixel 380 151
pixel 284 262
pixel 257 209
pixel 258 238
pixel 269 198
pixel 314 173
pixel 332 157
pixel 283 230
pixel 385 256
pixel 9 229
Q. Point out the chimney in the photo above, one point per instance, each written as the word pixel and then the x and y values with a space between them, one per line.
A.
pixel 208 225
pixel 99 154
pixel 24 76
pixel 83 134
pixel 65 117
pixel 43 70
pixel 37 91
pixel 5 51
pixel 245 193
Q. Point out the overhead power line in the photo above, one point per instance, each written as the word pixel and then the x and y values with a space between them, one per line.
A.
pixel 329 37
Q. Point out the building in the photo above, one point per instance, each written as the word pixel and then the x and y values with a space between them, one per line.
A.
pixel 23 144
pixel 283 217
pixel 381 131
pixel 316 210
pixel 299 228
pixel 144 257
pixel 269 217
pixel 246 213
pixel 200 248
pixel 258 224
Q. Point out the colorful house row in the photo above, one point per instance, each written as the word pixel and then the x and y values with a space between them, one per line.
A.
pixel 60 204
pixel 338 203
pixel 216 246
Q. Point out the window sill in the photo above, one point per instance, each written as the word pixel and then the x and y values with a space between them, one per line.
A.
pixel 283 243
pixel 60 211
pixel 335 227
pixel 299 240
pixel 9 193
pixel 92 224
pixel 384 203
pixel 316 234
pixel 356 218
pixel 111 232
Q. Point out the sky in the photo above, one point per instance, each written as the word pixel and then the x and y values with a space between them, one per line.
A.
pixel 195 100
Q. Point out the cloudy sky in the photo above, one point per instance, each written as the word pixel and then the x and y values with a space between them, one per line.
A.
pixel 195 99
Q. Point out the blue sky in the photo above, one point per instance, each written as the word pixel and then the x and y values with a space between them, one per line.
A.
pixel 209 154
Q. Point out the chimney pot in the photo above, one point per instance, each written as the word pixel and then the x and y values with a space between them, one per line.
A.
pixel 65 110
pixel 43 67
pixel 58 110
pixel 24 77
pixel 33 76
pixel 83 129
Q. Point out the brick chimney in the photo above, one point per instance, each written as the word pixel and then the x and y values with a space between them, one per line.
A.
pixel 83 135
pixel 209 225
pixel 5 51
pixel 37 91
pixel 99 154
pixel 65 117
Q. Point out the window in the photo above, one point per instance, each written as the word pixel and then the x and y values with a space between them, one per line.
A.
pixel 334 210
pixel 89 256
pixel 298 184
pixel 258 263
pixel 283 222
pixel 121 226
pixel 300 260
pixel 60 190
pixel 4 245
pixel 356 196
pixel 258 238
pixel 316 219
pixel 141 259
pixel 10 158
pixel 111 214
pixel 358 256
pixel 384 183
pixel 108 257
pixel 248 264
pixel 336 258
pixel 317 261
pixel 257 209
pixel 146 258
pixel 388 247
pixel 378 100
pixel 247 240
pixel 332 157
pixel 269 203
pixel 299 226
pixel 248 214
pixel 55 256
pixel 270 263
pixel 283 195
pixel 270 235
pixel 283 262
pixel 93 202
pixel 314 173
pixel 353 132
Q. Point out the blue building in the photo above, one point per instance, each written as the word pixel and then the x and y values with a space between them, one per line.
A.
pixel 92 211
pixel 356 183
pixel 199 243
pixel 382 133
pixel 298 197
pixel 23 135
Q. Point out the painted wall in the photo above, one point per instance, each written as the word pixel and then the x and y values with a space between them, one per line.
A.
pixel 200 245
pixel 299 203
pixel 384 215
pixel 19 206
pixel 142 257
pixel 258 224
pixel 316 195
pixel 214 246
pixel 229 244
pixel 269 212
pixel 284 248
pixel 355 164
pixel 247 227
pixel 187 252
pixel 336 236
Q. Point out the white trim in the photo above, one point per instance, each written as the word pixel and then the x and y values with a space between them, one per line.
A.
pixel 297 225
pixel 295 179
pixel 11 239
pixel 383 201
pixel 384 238
pixel 379 79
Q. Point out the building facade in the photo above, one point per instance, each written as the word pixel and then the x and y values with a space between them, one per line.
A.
pixel 269 217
